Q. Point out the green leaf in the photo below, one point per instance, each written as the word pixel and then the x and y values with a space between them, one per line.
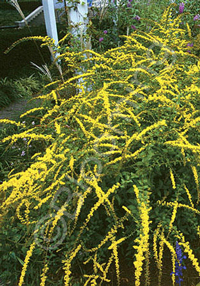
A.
pixel 20 261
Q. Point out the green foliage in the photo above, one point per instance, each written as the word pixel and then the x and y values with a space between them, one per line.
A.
pixel 122 20
pixel 11 90
pixel 191 9
pixel 17 62
pixel 24 4
pixel 8 17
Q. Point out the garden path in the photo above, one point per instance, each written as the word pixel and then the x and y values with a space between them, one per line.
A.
pixel 16 108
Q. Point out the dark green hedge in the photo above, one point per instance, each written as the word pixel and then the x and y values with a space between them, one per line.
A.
pixel 20 57
pixel 29 6
pixel 18 60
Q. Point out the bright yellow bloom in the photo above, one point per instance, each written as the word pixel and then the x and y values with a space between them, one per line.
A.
pixel 26 261
pixel 8 121
pixel 189 195
pixel 67 265
pixel 43 275
pixel 173 216
pixel 172 179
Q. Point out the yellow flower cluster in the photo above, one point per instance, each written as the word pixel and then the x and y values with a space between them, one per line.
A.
pixel 67 265
pixel 8 121
pixel 143 239
pixel 26 261
pixel 43 275
pixel 116 258
pixel 173 216
pixel 160 257
pixel 172 179
pixel 196 178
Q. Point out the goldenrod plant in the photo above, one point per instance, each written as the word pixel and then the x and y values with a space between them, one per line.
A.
pixel 119 168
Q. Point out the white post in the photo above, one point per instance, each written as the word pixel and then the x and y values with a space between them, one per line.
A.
pixel 78 19
pixel 50 20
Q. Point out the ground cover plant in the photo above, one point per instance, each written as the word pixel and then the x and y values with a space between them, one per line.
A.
pixel 11 90
pixel 114 170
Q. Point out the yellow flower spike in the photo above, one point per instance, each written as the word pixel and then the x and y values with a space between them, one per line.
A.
pixel 196 178
pixel 155 238
pixel 143 240
pixel 101 195
pixel 149 128
pixel 189 30
pixel 26 261
pixel 127 210
pixel 82 127
pixel 31 111
pixel 173 217
pixel 170 247
pixel 171 204
pixel 18 212
pixel 189 196
pixel 100 267
pixel 110 260
pixel 27 211
pixel 172 179
pixel 139 263
pixel 117 242
pixel 8 121
pixel 67 265
pixel 173 269
pixel 160 257
pixel 136 190
pixel 190 254
pixel 71 163
pixel 92 279
pixel 184 159
pixel 15 137
pixel 198 230
pixel 109 235
pixel 43 201
pixel 95 263
pixel 97 205
pixel 55 220
pixel 116 258
pixel 43 275
pixel 57 126
pixel 35 38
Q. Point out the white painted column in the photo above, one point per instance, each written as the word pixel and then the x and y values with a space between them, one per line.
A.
pixel 78 19
pixel 50 20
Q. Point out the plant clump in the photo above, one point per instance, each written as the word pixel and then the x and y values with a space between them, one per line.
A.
pixel 119 170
